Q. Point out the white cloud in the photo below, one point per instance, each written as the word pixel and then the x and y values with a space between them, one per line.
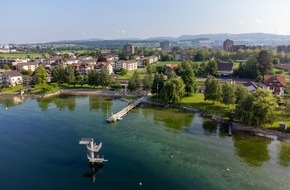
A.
pixel 120 31
pixel 84 33
pixel 258 21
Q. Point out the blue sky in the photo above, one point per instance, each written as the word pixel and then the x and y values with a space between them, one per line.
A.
pixel 30 21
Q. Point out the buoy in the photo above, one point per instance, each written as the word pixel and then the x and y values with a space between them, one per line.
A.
pixel 228 169
pixel 140 183
pixel 171 156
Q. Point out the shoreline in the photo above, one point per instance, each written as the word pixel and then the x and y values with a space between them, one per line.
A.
pixel 268 133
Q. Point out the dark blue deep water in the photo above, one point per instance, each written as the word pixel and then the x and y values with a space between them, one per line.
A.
pixel 151 148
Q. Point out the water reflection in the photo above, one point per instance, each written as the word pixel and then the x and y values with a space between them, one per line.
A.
pixel 252 149
pixel 61 102
pixel 210 126
pixel 174 119
pixel 91 173
pixel 100 103
pixel 10 101
pixel 284 155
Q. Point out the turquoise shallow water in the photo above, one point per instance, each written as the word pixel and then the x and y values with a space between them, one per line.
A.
pixel 151 148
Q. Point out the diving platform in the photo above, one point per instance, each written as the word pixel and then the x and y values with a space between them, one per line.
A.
pixel 119 115
pixel 92 148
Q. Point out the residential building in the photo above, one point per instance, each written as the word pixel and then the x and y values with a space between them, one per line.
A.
pixel 129 48
pixel 128 65
pixel 283 48
pixel 164 45
pixel 225 69
pixel 171 67
pixel 26 66
pixel 105 65
pixel 12 78
pixel 276 84
pixel 228 45
pixel 250 86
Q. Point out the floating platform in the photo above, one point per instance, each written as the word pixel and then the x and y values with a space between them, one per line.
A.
pixel 92 148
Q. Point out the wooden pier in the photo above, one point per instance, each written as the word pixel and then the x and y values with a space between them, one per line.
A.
pixel 118 116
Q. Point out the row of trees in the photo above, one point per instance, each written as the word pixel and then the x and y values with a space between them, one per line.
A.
pixel 255 108
pixel 177 85
pixel 255 66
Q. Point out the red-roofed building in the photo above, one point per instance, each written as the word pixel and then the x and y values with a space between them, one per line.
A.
pixel 276 84
pixel 171 67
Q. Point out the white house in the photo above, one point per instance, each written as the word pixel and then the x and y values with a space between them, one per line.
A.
pixel 26 66
pixel 105 65
pixel 12 78
pixel 128 65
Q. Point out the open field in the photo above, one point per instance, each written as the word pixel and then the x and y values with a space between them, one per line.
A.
pixel 20 55
pixel 197 101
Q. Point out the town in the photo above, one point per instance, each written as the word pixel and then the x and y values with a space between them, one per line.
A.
pixel 220 75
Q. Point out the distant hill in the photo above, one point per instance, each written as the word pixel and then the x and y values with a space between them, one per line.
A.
pixel 245 38
pixel 238 37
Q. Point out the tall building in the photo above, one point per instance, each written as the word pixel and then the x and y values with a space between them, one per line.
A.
pixel 228 45
pixel 164 45
pixel 129 48
pixel 283 48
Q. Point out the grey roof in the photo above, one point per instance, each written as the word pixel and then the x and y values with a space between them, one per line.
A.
pixel 12 73
pixel 225 66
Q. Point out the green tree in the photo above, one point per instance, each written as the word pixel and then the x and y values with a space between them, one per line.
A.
pixel 123 71
pixel 158 83
pixel 147 82
pixel 201 71
pixel 94 78
pixel 240 93
pixel 27 72
pixel 58 74
pixel 6 67
pixel 134 82
pixel 105 79
pixel 265 62
pixel 40 75
pixel 213 89
pixel 211 67
pixel 166 58
pixel 249 69
pixel 171 74
pixel 173 91
pixel 187 75
pixel 228 96
pixel 276 61
pixel 257 108
pixel 199 56
pixel 69 75
pixel 150 68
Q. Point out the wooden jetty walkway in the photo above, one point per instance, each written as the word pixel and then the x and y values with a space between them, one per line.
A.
pixel 118 116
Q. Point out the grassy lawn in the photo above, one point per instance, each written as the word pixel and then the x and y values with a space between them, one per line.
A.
pixel 141 71
pixel 280 116
pixel 20 55
pixel 12 90
pixel 197 101
pixel 162 63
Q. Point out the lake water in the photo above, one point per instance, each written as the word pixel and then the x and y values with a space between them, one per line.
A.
pixel 151 148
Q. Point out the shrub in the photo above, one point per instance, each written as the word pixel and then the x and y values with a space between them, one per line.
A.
pixel 116 86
